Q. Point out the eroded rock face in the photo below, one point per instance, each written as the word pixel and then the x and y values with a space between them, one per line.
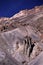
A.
pixel 21 37
pixel 17 44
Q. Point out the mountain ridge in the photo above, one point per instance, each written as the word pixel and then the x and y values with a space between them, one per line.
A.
pixel 22 29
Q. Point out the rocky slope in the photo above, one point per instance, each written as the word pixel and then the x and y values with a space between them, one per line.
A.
pixel 21 37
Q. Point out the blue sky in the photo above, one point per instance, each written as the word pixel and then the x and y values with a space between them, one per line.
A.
pixel 10 7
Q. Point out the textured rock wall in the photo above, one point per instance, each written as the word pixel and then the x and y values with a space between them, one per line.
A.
pixel 14 46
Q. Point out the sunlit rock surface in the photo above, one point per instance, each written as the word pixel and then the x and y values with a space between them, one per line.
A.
pixel 13 33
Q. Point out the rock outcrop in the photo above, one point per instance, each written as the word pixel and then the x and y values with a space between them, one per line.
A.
pixel 21 38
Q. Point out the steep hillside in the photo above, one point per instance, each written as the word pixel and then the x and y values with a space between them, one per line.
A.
pixel 21 38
